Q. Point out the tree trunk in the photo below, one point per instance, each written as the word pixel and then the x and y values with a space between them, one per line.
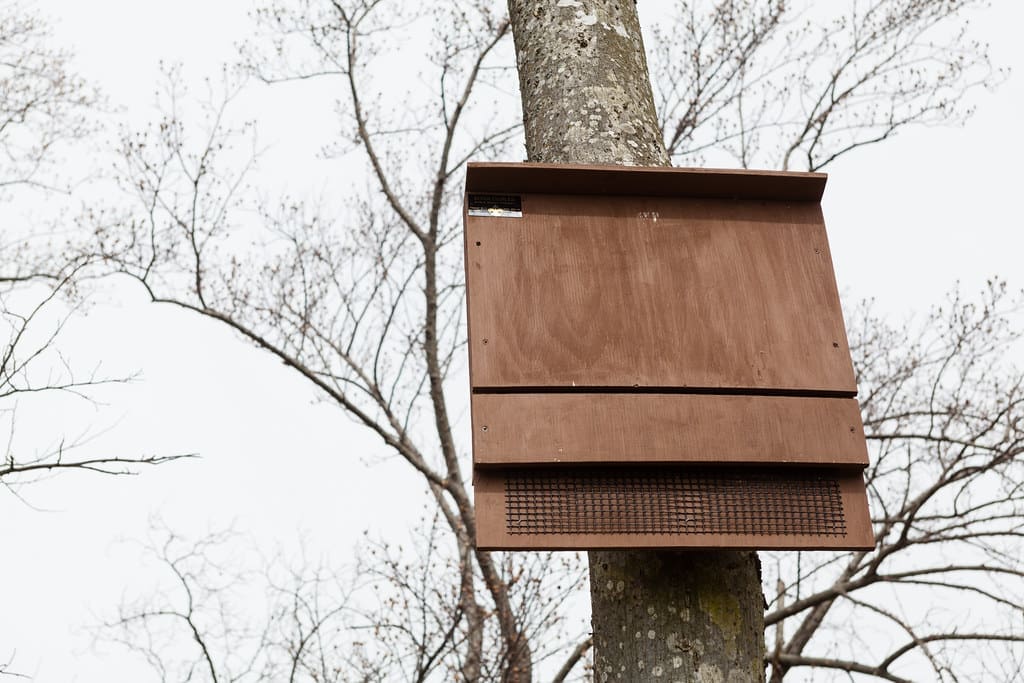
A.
pixel 583 78
pixel 677 616
pixel 658 615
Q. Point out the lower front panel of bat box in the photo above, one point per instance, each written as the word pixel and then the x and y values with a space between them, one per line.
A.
pixel 671 506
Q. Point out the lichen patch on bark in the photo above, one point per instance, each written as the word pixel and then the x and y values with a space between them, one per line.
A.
pixel 711 634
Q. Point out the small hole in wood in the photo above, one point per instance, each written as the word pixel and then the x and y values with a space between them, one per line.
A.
pixel 478 244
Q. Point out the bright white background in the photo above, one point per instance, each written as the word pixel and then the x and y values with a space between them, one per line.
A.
pixel 907 219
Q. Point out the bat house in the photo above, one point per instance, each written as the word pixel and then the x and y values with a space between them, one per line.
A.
pixel 658 360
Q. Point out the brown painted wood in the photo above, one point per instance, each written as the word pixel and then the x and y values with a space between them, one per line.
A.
pixel 659 317
pixel 648 181
pixel 627 291
pixel 491 533
pixel 624 428
pixel 858 516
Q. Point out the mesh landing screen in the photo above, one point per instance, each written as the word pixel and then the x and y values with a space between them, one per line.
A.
pixel 673 500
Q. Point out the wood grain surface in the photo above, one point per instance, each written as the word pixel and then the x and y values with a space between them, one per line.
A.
pixel 626 291
pixel 664 428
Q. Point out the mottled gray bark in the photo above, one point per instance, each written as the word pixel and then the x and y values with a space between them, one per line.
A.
pixel 659 616
pixel 677 616
pixel 583 77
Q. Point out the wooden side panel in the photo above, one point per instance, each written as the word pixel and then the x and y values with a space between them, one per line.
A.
pixel 489 502
pixel 621 428
pixel 598 291
pixel 860 533
pixel 493 533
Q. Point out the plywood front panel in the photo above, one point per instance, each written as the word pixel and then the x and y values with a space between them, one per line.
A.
pixel 625 428
pixel 626 291
pixel 580 508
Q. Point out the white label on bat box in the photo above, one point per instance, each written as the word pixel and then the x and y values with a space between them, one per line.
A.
pixel 496 205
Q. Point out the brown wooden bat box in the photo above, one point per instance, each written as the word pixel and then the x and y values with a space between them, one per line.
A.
pixel 658 359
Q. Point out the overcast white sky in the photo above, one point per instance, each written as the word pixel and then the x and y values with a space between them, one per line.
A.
pixel 906 220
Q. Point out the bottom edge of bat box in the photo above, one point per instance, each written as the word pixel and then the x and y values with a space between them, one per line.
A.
pixel 544 542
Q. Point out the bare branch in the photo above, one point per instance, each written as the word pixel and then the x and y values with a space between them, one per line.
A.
pixel 572 660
